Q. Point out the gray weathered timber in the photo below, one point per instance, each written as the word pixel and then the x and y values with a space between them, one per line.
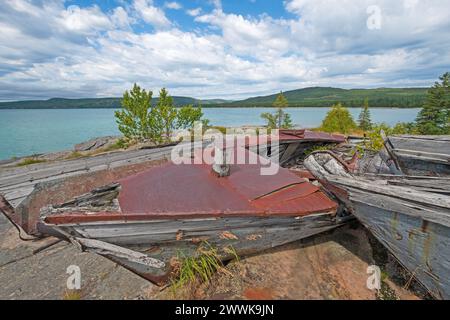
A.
pixel 164 240
pixel 409 215
pixel 421 155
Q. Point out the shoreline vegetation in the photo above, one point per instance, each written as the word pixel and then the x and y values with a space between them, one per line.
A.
pixel 301 98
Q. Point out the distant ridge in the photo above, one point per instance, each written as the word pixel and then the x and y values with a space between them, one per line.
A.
pixel 91 103
pixel 327 96
pixel 307 97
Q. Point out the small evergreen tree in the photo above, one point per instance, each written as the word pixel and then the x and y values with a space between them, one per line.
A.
pixel 434 117
pixel 140 121
pixel 280 103
pixel 272 119
pixel 132 119
pixel 338 119
pixel 279 119
pixel 287 121
pixel 164 117
pixel 364 121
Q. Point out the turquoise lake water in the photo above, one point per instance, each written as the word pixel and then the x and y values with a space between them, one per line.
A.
pixel 26 132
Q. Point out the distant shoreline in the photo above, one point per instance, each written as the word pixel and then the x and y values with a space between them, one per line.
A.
pixel 203 107
pixel 316 97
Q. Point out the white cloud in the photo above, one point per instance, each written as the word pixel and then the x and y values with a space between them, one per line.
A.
pixel 173 5
pixel 86 20
pixel 120 18
pixel 217 4
pixel 340 25
pixel 194 12
pixel 260 37
pixel 151 14
pixel 48 50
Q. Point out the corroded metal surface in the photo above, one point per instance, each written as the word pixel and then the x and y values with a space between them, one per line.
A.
pixel 181 191
pixel 288 136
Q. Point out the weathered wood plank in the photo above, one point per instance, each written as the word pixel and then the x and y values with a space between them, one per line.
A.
pixel 424 144
pixel 421 247
pixel 413 224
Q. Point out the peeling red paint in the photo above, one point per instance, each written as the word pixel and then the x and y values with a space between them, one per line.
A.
pixel 193 191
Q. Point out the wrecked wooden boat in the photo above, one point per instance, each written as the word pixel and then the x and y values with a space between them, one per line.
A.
pixel 145 221
pixel 420 155
pixel 292 146
pixel 410 215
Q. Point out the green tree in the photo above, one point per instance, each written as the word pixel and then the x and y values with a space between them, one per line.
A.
pixel 188 115
pixel 280 119
pixel 338 119
pixel 434 117
pixel 139 120
pixel 132 119
pixel 272 119
pixel 164 117
pixel 280 103
pixel 364 121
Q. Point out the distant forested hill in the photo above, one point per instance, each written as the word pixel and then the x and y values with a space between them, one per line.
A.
pixel 60 103
pixel 324 97
pixel 308 97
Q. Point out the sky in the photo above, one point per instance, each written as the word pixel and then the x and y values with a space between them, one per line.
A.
pixel 228 49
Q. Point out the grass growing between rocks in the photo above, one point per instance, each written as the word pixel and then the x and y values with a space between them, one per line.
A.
pixel 28 161
pixel 72 295
pixel 200 268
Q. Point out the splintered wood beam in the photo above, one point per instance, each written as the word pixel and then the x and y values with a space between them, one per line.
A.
pixel 107 249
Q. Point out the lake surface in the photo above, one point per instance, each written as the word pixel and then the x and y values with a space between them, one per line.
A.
pixel 26 132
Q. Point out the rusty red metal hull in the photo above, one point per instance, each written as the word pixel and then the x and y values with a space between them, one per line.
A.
pixel 143 221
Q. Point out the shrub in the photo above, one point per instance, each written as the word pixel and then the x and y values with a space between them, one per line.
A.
pixel 374 139
pixel 338 120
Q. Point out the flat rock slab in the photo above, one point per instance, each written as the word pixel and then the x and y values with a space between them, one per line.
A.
pixel 43 275
pixel 331 266
pixel 95 143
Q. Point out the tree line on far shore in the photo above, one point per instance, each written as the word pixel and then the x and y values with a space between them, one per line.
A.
pixel 433 119
pixel 139 120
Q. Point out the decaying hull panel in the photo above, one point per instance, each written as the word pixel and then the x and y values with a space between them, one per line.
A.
pixel 164 240
pixel 422 247
pixel 421 155
pixel 409 215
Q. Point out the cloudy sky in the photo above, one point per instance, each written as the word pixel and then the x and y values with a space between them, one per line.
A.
pixel 218 49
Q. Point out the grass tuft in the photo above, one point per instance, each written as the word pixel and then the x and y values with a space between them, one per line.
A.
pixel 28 161
pixel 75 155
pixel 200 267
pixel 72 295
